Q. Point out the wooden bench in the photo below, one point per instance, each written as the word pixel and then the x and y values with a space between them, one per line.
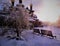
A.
pixel 36 31
pixel 48 33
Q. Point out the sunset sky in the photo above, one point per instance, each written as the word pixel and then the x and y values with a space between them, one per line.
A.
pixel 46 10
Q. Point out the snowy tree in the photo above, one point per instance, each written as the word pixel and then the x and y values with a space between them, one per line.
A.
pixel 20 21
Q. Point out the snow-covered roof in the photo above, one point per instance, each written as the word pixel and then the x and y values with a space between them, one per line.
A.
pixel 43 28
pixel 34 16
pixel 31 19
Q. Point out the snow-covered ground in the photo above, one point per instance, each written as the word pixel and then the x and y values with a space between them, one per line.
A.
pixel 30 39
pixel 55 31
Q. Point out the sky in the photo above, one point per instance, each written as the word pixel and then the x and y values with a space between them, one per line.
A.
pixel 46 10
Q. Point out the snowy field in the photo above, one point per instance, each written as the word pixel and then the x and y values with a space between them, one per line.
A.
pixel 55 31
pixel 30 39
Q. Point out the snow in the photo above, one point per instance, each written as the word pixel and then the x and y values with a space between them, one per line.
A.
pixel 31 19
pixel 30 39
pixel 55 30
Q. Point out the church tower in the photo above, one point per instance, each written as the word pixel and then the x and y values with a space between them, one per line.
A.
pixel 12 1
pixel 31 8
